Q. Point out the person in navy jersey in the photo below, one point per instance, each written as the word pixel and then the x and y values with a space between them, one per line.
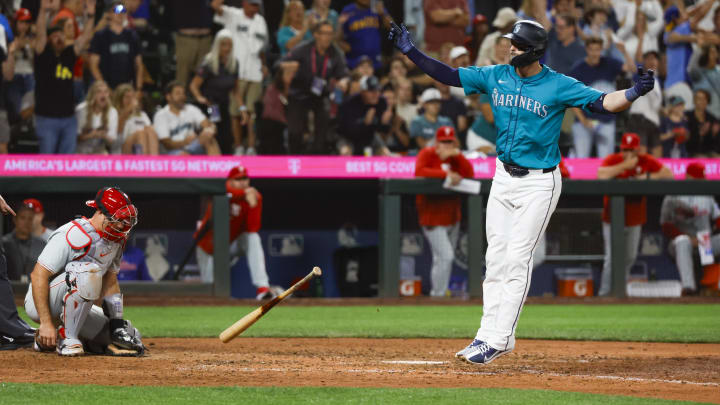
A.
pixel 599 72
pixel 359 31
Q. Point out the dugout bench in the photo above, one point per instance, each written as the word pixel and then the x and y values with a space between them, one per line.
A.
pixel 391 191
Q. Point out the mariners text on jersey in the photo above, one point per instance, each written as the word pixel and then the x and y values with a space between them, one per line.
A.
pixel 528 110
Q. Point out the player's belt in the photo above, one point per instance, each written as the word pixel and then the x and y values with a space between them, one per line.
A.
pixel 519 171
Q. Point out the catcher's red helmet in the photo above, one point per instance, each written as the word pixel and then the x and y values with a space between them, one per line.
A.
pixel 120 213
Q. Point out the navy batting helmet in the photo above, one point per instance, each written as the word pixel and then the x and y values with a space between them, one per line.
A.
pixel 529 37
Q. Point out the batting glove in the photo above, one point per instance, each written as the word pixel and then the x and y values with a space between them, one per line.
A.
pixel 401 37
pixel 643 85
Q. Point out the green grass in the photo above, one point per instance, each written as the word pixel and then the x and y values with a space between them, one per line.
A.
pixel 24 394
pixel 656 323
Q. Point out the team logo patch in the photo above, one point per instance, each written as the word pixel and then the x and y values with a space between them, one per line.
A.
pixel 516 29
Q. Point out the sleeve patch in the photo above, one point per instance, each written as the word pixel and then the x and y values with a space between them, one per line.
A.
pixel 77 238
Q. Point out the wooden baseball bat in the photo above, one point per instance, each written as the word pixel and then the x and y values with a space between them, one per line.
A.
pixel 249 319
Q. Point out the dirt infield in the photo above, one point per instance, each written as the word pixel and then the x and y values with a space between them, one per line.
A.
pixel 657 370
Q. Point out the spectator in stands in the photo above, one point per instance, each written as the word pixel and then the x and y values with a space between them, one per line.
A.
pixel 21 246
pixel 705 75
pixel 193 22
pixel 415 20
pixel 445 21
pixel 138 13
pixel 397 139
pixel 249 42
pixel 364 67
pixel 503 22
pixel 674 129
pixel 640 26
pixel 397 71
pixel 71 12
pixel 704 128
pixel 214 84
pixel 38 227
pixel 97 122
pixel 678 38
pixel 423 127
pixel 564 47
pixel 628 164
pixel 273 123
pixel 182 128
pixel 500 54
pixel 480 29
pixel 481 137
pixel 364 115
pixel 55 122
pixel 135 131
pixel 645 111
pixel 454 108
pixel 321 11
pixel 115 52
pixel 405 107
pixel 294 27
pixel 23 81
pixel 319 68
pixel 8 66
pixel 598 26
pixel 359 31
pixel 599 72
pixel 459 57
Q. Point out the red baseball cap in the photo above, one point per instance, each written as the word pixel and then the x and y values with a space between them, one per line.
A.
pixel 479 18
pixel 34 203
pixel 445 133
pixel 238 172
pixel 630 140
pixel 23 14
pixel 696 170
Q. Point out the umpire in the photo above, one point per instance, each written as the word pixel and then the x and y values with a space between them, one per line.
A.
pixel 14 332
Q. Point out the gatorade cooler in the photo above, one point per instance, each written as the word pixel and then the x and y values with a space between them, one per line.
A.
pixel 411 287
pixel 574 282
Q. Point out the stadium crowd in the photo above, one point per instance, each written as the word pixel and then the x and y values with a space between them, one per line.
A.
pixel 318 76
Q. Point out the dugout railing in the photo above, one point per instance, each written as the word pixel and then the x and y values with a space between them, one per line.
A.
pixel 162 188
pixel 391 191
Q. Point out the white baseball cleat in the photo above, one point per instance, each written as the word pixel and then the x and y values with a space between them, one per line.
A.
pixel 70 348
pixel 469 347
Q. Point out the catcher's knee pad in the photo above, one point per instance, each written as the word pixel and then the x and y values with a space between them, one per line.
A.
pixel 682 241
pixel 87 278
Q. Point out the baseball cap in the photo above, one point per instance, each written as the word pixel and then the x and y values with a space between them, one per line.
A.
pixel 34 204
pixel 457 52
pixel 504 17
pixel 671 13
pixel 445 133
pixel 23 14
pixel 258 2
pixel 479 19
pixel 630 140
pixel 54 28
pixel 675 100
pixel 431 94
pixel 238 172
pixel 696 170
pixel 369 83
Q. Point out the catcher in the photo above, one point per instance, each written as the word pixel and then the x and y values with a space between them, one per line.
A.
pixel 79 266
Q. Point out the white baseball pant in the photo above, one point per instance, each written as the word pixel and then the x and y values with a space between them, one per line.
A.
pixel 251 245
pixel 682 250
pixel 632 242
pixel 518 212
pixel 442 240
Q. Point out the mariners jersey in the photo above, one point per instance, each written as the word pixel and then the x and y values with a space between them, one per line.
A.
pixel 528 111
pixel 79 241
pixel 435 210
pixel 689 214
pixel 243 218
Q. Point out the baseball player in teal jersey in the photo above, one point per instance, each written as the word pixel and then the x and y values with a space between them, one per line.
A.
pixel 528 102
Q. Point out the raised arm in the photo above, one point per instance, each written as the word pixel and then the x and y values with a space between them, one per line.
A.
pixel 46 7
pixel 432 67
pixel 82 41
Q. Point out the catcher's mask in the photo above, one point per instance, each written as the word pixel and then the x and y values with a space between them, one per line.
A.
pixel 120 214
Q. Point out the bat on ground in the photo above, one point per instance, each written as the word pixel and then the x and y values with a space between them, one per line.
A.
pixel 249 319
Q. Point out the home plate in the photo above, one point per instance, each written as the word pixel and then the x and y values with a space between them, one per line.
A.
pixel 413 362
